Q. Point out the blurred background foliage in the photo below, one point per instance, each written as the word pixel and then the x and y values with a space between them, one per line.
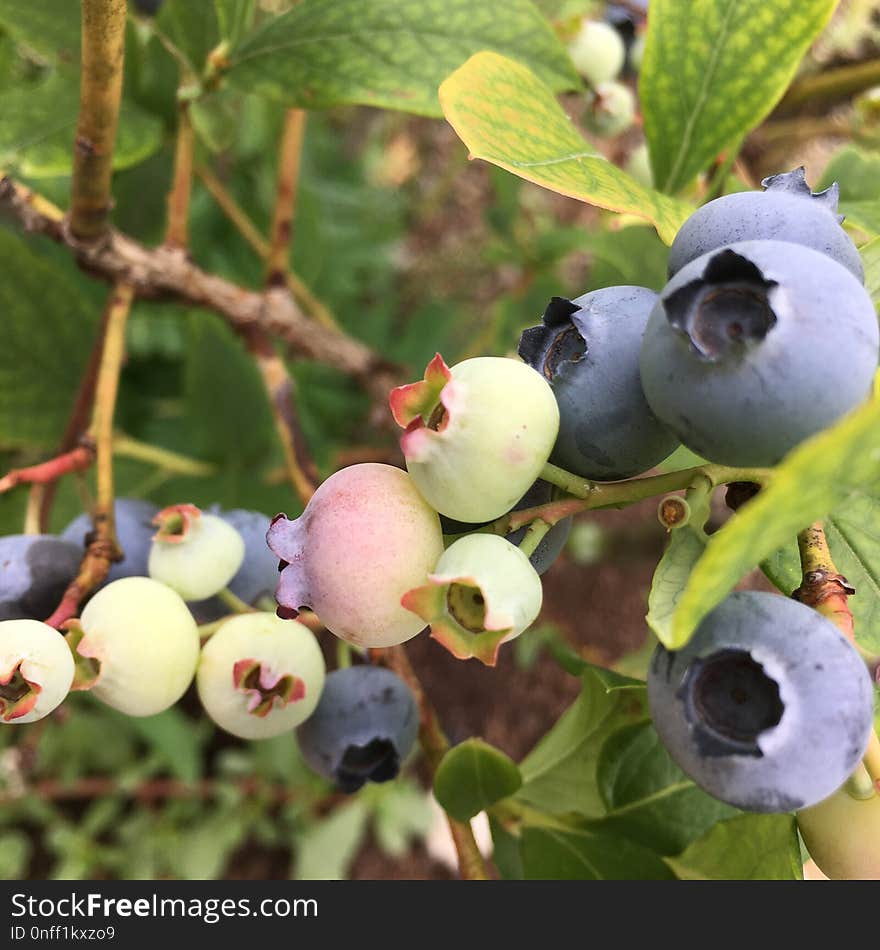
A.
pixel 411 248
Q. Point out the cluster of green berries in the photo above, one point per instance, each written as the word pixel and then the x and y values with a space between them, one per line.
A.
pixel 604 52
pixel 137 646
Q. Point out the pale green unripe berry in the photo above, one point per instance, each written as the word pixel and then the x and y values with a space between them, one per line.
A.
pixel 145 643
pixel 194 553
pixel 482 593
pixel 611 109
pixel 597 51
pixel 36 670
pixel 842 835
pixel 638 166
pixel 260 676
pixel 478 435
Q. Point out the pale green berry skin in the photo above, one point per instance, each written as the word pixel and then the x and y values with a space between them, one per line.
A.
pixel 283 647
pixel 842 834
pixel 611 109
pixel 510 585
pixel 202 562
pixel 597 51
pixel 45 660
pixel 146 642
pixel 638 166
pixel 502 425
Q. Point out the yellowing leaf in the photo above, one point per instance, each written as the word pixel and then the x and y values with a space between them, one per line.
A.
pixel 506 115
pixel 813 480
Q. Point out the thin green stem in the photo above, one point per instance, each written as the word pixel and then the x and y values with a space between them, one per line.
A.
pixel 235 604
pixel 534 536
pixel 207 630
pixel 619 494
pixel 860 785
pixel 343 654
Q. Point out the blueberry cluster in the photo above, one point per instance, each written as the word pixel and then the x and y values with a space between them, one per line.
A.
pixel 763 336
pixel 137 646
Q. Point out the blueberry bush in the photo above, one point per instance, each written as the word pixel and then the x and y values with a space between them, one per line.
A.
pixel 331 334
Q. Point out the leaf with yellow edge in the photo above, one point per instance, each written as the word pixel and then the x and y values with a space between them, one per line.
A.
pixel 813 480
pixel 506 115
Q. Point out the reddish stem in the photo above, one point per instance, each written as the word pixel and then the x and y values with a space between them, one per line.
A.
pixel 76 461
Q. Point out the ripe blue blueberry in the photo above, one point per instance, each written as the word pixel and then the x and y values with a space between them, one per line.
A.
pixel 785 211
pixel 364 727
pixel 134 529
pixel 35 570
pixel 754 348
pixel 768 707
pixel 258 575
pixel 588 350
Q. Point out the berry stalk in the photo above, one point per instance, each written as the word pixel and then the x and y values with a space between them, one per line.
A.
pixel 435 745
pixel 103 548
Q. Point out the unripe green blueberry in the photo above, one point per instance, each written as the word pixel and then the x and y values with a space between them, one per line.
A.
pixel 842 834
pixel 365 538
pixel 638 166
pixel 260 676
pixel 482 593
pixel 478 435
pixel 194 553
pixel 143 645
pixel 611 109
pixel 597 51
pixel 36 670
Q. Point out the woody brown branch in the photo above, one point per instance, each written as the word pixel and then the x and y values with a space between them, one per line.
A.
pixel 166 273
pixel 822 587
pixel 103 48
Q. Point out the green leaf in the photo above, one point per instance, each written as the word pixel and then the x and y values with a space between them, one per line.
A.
pixel 853 534
pixel 649 799
pixel 559 774
pixel 15 854
pixel 856 172
pixel 550 854
pixel 685 548
pixel 176 739
pixel 236 17
pixel 506 853
pixel 864 214
pixel 202 853
pixel 745 848
pixel 402 813
pixel 566 9
pixel 226 406
pixel 48 27
pixel 46 325
pixel 506 115
pixel 190 28
pixel 326 850
pixel 387 52
pixel 38 123
pixel 472 776
pixel 811 481
pixel 712 70
pixel 870 253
